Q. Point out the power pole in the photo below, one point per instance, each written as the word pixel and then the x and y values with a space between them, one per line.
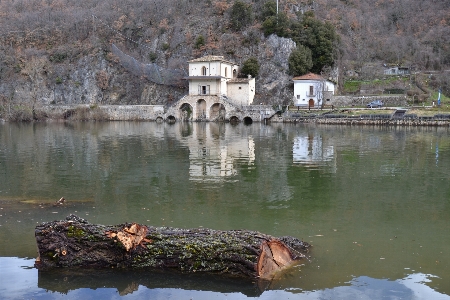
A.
pixel 277 12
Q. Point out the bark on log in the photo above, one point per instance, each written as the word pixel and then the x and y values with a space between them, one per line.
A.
pixel 74 242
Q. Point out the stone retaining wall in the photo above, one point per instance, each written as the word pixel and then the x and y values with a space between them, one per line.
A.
pixel 360 100
pixel 153 112
pixel 133 112
pixel 109 112
pixel 359 121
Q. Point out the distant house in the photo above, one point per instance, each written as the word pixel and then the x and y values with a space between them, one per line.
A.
pixel 396 70
pixel 214 76
pixel 312 90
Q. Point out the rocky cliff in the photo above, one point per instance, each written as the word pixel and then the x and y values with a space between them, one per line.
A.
pixel 51 66
pixel 60 51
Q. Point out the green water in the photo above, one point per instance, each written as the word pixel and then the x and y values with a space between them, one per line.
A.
pixel 373 201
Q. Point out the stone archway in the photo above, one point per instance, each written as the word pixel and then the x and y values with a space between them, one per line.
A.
pixel 217 112
pixel 248 121
pixel 234 120
pixel 201 110
pixel 185 112
pixel 171 119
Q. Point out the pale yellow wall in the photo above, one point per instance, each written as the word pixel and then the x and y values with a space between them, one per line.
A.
pixel 244 95
pixel 217 86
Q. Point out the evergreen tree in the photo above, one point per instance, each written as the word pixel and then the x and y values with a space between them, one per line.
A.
pixel 250 67
pixel 200 42
pixel 241 15
pixel 273 22
pixel 320 38
pixel 300 61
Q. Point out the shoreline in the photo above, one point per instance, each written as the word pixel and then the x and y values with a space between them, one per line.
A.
pixel 392 116
pixel 375 121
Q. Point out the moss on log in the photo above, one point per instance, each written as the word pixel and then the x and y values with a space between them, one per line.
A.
pixel 74 242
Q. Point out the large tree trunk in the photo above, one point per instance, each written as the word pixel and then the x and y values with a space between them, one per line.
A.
pixel 76 243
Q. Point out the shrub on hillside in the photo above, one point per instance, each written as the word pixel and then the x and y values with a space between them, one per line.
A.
pixel 250 67
pixel 241 15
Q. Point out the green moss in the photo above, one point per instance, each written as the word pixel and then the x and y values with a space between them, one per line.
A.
pixel 92 238
pixel 75 232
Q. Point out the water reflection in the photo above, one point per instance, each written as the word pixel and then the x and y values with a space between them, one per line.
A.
pixel 129 282
pixel 312 149
pixel 213 153
pixel 114 284
pixel 373 201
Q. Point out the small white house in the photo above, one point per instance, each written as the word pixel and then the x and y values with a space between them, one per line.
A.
pixel 213 75
pixel 312 90
pixel 241 91
pixel 396 70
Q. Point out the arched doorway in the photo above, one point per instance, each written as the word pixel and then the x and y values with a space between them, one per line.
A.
pixel 217 112
pixel 234 120
pixel 186 112
pixel 171 119
pixel 311 103
pixel 201 110
pixel 248 121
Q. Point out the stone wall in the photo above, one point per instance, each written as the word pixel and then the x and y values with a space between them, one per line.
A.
pixel 388 100
pixel 375 121
pixel 133 112
pixel 108 112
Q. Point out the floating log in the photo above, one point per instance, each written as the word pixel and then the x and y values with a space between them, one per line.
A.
pixel 74 242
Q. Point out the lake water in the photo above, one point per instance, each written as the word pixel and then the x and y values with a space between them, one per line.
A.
pixel 373 201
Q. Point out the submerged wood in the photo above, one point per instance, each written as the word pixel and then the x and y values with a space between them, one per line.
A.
pixel 74 242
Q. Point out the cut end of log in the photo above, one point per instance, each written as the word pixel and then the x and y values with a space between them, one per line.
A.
pixel 131 236
pixel 274 257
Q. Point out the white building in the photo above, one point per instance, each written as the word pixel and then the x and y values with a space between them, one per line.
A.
pixel 312 90
pixel 214 76
pixel 396 70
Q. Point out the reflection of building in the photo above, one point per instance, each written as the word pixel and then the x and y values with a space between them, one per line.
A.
pixel 312 149
pixel 312 90
pixel 213 159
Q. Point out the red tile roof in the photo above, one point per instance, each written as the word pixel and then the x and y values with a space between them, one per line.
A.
pixel 309 76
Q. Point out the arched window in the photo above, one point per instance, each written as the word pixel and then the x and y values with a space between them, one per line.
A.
pixel 226 73
pixel 234 73
pixel 204 71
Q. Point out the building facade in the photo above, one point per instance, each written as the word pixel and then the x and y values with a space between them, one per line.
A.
pixel 214 76
pixel 312 90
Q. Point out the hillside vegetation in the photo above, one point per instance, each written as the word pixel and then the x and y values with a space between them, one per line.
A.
pixel 59 51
